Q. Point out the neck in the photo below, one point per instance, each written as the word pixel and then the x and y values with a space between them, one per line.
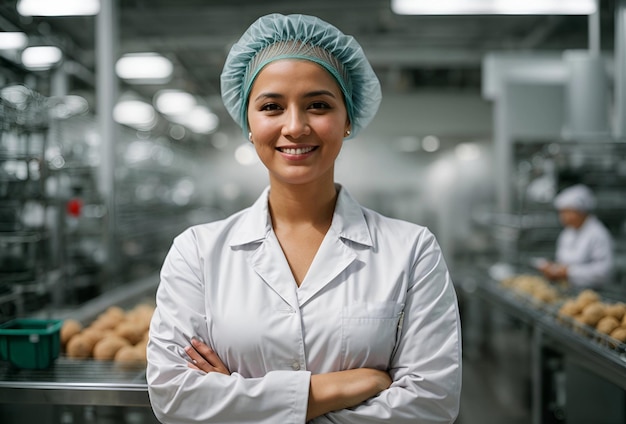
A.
pixel 302 204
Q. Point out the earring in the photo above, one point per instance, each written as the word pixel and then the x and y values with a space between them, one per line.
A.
pixel 250 136
pixel 348 132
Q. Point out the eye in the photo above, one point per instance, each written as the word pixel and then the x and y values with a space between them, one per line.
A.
pixel 319 105
pixel 269 107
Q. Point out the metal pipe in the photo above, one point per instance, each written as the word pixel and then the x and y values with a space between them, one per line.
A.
pixel 620 70
pixel 594 31
pixel 106 96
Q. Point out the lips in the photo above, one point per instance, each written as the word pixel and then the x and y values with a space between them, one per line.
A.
pixel 296 150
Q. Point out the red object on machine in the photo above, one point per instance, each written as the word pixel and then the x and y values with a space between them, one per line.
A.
pixel 74 207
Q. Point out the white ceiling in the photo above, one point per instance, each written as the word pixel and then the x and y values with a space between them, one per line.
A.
pixel 407 52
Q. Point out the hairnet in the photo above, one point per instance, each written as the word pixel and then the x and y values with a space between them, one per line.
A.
pixel 275 36
pixel 578 197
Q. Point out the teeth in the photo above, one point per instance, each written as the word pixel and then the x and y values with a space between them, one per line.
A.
pixel 297 151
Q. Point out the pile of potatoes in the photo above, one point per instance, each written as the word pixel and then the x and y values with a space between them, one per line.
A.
pixel 538 288
pixel 587 308
pixel 115 335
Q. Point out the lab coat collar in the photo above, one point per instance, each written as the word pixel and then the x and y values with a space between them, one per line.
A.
pixel 348 221
pixel 256 224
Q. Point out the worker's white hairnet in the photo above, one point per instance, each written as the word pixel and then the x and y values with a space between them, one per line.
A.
pixel 277 36
pixel 578 197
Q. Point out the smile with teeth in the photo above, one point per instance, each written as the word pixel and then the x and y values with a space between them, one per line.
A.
pixel 296 150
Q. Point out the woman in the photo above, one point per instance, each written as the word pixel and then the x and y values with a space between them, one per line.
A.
pixel 305 306
pixel 584 249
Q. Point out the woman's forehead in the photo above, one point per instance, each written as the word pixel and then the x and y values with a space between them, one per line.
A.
pixel 302 71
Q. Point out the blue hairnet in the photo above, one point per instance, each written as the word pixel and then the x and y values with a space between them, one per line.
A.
pixel 275 36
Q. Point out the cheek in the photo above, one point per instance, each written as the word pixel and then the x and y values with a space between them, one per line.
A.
pixel 330 129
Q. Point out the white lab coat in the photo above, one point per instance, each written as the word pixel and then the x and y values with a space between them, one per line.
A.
pixel 587 252
pixel 378 294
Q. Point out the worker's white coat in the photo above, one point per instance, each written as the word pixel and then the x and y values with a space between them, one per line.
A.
pixel 587 252
pixel 378 294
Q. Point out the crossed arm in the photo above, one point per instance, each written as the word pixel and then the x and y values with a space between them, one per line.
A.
pixel 327 392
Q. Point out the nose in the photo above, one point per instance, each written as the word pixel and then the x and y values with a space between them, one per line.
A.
pixel 296 123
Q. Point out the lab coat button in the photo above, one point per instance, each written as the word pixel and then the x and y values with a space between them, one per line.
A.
pixel 296 366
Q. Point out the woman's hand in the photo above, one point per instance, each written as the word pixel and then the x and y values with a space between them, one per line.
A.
pixel 203 358
pixel 554 271
pixel 344 389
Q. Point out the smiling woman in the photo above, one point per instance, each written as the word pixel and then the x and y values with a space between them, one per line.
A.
pixel 305 307
pixel 297 120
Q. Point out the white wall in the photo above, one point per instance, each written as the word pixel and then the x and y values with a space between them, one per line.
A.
pixel 435 189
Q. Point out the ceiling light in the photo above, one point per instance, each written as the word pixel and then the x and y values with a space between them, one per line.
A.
pixel 467 151
pixel 13 40
pixel 58 7
pixel 430 143
pixel 494 7
pixel 199 120
pixel 144 68
pixel 135 113
pixel 174 102
pixel 202 121
pixel 41 57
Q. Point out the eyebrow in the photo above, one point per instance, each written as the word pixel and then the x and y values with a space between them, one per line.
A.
pixel 309 94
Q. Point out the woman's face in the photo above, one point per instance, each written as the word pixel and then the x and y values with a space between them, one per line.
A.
pixel 572 218
pixel 298 120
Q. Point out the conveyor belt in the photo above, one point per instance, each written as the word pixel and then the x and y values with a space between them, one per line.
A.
pixel 595 351
pixel 75 382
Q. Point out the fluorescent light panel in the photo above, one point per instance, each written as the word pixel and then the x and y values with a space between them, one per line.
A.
pixel 135 113
pixel 41 57
pixel 199 120
pixel 144 67
pixel 494 7
pixel 174 102
pixel 58 7
pixel 13 40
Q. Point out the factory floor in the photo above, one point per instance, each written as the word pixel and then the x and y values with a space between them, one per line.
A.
pixel 496 380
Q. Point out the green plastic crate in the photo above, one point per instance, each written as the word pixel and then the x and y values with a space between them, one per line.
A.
pixel 30 343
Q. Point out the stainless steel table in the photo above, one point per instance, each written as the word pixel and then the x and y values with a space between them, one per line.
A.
pixel 75 382
pixel 592 352
pixel 83 381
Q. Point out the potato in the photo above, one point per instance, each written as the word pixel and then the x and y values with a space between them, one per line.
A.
pixel 129 353
pixel 131 331
pixel 545 294
pixel 587 297
pixel 619 334
pixel 69 329
pixel 106 348
pixel 617 310
pixel 95 334
pixel 80 346
pixel 592 313
pixel 607 324
pixel 141 347
pixel 115 312
pixel 141 315
pixel 570 308
pixel 105 322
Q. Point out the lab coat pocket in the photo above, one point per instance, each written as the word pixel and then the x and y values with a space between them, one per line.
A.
pixel 368 334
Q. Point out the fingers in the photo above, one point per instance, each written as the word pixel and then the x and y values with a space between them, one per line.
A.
pixel 203 358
